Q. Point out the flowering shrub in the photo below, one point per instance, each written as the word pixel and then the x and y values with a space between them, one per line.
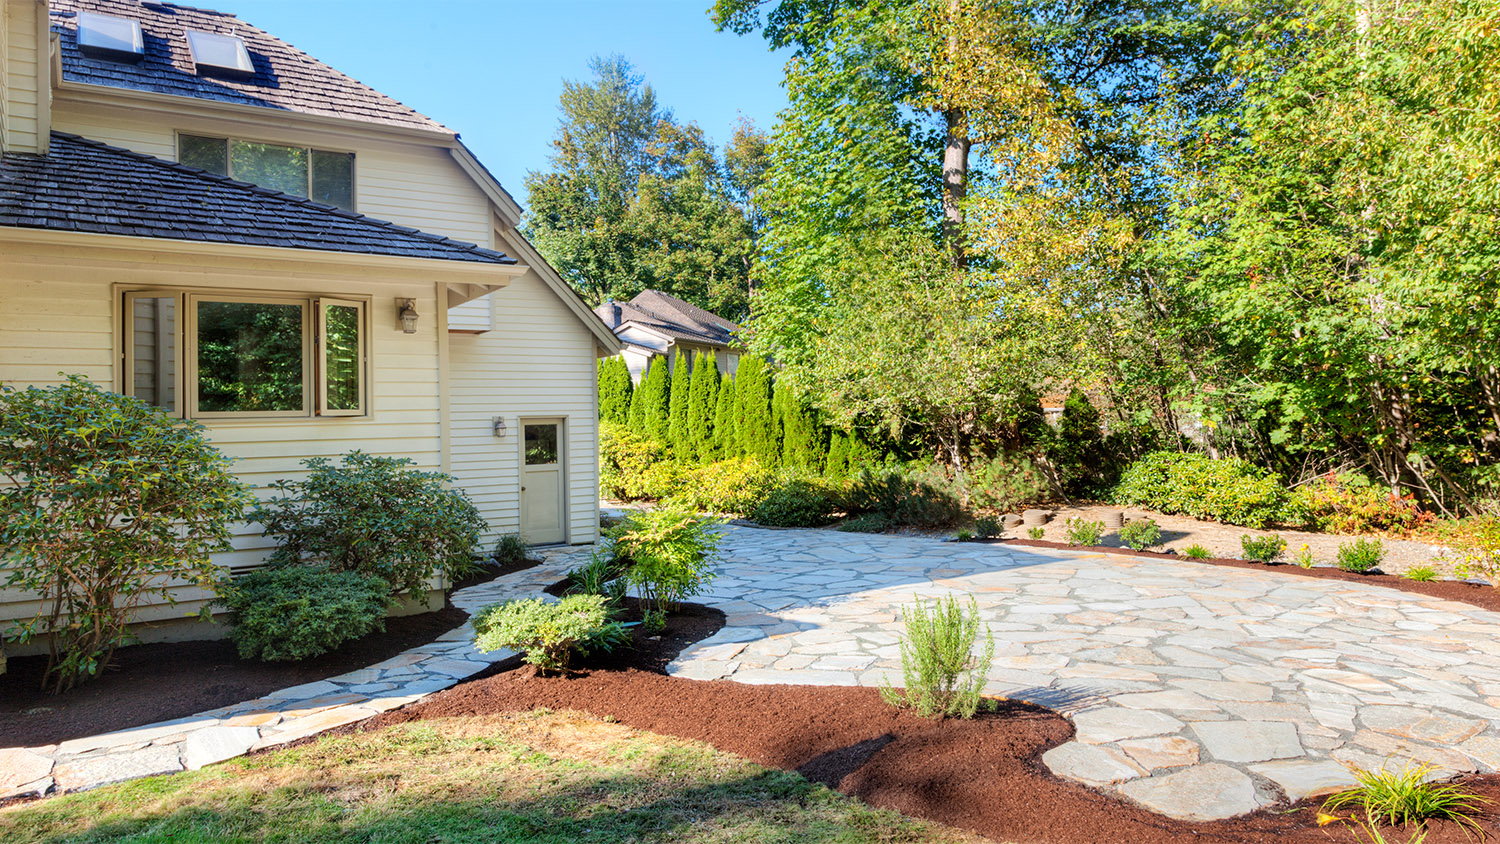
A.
pixel 1226 490
pixel 1349 503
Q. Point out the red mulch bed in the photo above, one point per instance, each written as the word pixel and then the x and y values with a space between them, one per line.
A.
pixel 1481 595
pixel 984 775
pixel 160 682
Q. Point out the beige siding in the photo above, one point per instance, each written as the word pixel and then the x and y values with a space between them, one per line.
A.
pixel 24 74
pixel 60 317
pixel 413 184
pixel 538 361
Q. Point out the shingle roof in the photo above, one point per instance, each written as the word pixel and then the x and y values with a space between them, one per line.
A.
pixel 285 77
pixel 671 316
pixel 85 186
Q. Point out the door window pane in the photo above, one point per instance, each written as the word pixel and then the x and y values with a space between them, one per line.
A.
pixel 250 357
pixel 211 154
pixel 541 444
pixel 333 178
pixel 153 350
pixel 270 166
pixel 341 363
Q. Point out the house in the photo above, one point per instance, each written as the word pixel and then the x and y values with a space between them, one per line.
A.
pixel 654 324
pixel 196 213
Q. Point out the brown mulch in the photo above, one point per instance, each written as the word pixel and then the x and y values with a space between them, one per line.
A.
pixel 985 775
pixel 163 681
pixel 1481 595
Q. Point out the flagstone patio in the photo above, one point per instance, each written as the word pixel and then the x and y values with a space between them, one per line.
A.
pixel 1198 691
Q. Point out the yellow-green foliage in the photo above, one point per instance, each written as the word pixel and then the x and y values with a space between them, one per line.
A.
pixel 548 632
pixel 1226 490
pixel 733 486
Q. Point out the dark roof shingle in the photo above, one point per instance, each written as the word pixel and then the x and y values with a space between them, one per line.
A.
pixel 86 186
pixel 285 77
pixel 671 316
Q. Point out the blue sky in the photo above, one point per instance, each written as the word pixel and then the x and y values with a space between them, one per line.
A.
pixel 493 70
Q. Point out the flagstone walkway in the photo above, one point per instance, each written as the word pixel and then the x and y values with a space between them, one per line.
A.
pixel 1198 691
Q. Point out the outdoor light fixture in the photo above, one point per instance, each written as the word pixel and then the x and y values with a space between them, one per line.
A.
pixel 497 425
pixel 406 309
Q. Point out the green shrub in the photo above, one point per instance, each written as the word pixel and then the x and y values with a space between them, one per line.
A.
pixel 1197 552
pixel 865 523
pixel 1361 555
pixel 1422 574
pixel 669 554
pixel 1036 532
pixel 603 574
pixel 798 502
pixel 624 458
pixel 1349 503
pixel 107 504
pixel 1007 482
pixel 297 612
pixel 1406 797
pixel 903 498
pixel 548 632
pixel 1077 449
pixel 1303 557
pixel 511 550
pixel 373 515
pixel 1227 490
pixel 1262 549
pixel 939 669
pixel 964 534
pixel 1477 553
pixel 987 527
pixel 733 486
pixel 1141 534
pixel 1084 532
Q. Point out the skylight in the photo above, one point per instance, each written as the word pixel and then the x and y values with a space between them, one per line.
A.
pixel 219 53
pixel 109 37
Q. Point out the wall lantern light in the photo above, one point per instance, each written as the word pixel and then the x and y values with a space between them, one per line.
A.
pixel 406 309
pixel 497 425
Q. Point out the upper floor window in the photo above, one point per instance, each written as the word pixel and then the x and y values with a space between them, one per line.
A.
pixel 207 355
pixel 317 174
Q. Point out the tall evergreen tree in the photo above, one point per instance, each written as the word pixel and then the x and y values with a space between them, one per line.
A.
pixel 703 396
pixel 836 463
pixel 802 442
pixel 726 436
pixel 652 403
pixel 615 389
pixel 677 407
pixel 753 428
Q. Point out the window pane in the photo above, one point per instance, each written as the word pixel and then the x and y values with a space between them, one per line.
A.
pixel 270 166
pixel 341 365
pixel 541 445
pixel 211 154
pixel 153 350
pixel 333 178
pixel 249 357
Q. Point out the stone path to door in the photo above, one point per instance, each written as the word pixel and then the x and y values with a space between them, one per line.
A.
pixel 1198 691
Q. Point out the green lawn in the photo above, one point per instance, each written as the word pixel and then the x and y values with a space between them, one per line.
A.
pixel 539 776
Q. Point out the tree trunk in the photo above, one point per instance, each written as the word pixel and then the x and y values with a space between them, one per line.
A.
pixel 955 184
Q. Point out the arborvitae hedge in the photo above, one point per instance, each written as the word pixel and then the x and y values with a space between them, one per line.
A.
pixel 703 396
pixel 753 401
pixel 650 405
pixel 614 390
pixel 726 442
pixel 802 443
pixel 677 408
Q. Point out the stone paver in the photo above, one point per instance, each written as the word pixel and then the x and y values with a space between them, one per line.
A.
pixel 1198 691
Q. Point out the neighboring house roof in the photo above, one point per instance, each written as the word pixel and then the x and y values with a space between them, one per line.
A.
pixel 285 78
pixel 669 316
pixel 87 186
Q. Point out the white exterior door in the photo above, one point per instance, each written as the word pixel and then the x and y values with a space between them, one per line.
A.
pixel 542 487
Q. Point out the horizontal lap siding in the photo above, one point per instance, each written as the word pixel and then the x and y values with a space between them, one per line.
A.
pixel 59 317
pixel 24 75
pixel 413 184
pixel 537 361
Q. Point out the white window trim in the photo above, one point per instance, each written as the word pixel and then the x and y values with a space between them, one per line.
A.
pixel 320 309
pixel 185 349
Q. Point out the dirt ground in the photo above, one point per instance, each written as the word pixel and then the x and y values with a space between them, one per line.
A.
pixel 1178 532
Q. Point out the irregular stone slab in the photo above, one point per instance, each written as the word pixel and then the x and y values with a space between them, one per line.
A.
pixel 91 771
pixel 1202 793
pixel 1091 763
pixel 1099 726
pixel 20 767
pixel 36 788
pixel 1423 725
pixel 1249 741
pixel 1159 752
pixel 134 735
pixel 1301 779
pixel 215 744
pixel 1483 749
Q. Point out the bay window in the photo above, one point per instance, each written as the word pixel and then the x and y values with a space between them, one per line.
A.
pixel 215 355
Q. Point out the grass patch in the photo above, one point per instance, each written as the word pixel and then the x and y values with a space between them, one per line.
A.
pixel 538 777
